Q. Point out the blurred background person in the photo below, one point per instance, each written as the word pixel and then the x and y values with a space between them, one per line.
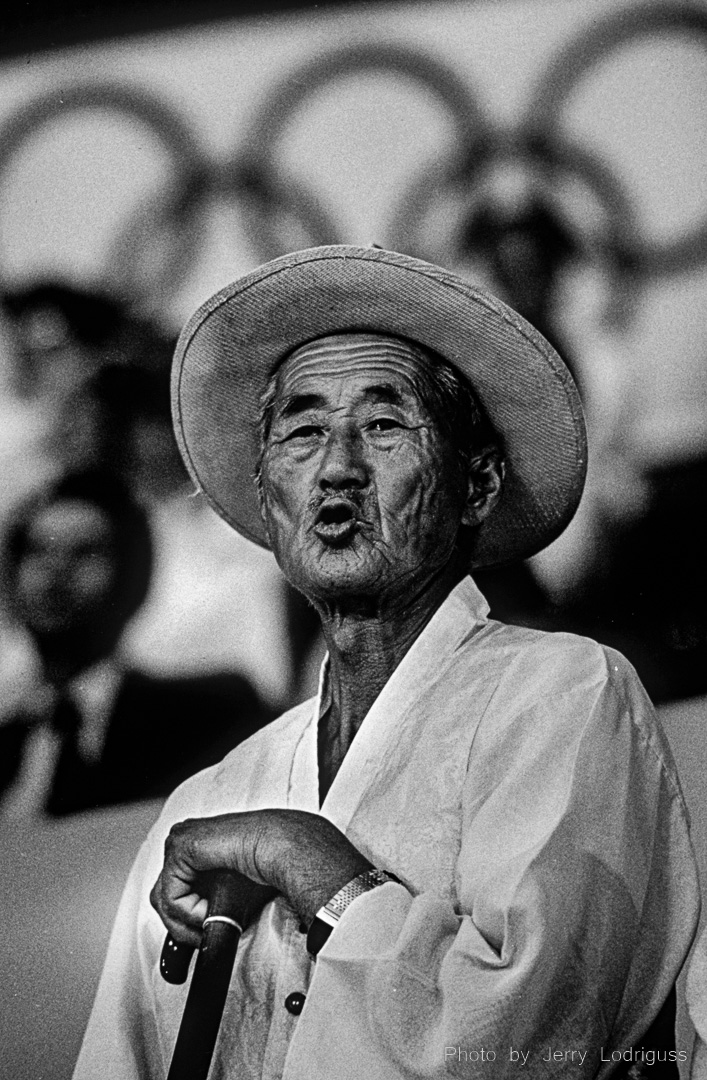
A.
pixel 79 729
pixel 639 520
pixel 94 380
pixel 57 336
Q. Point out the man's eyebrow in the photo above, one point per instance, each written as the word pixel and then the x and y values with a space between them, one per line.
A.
pixel 295 404
pixel 385 393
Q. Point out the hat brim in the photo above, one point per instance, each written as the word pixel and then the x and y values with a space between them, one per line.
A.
pixel 232 344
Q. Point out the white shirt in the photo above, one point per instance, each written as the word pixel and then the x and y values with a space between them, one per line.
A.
pixel 518 785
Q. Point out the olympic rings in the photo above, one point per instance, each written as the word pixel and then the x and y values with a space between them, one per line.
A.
pixel 470 121
pixel 174 135
pixel 572 63
pixel 470 124
pixel 537 142
pixel 172 223
pixel 177 211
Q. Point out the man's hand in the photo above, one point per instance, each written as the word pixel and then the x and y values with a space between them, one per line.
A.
pixel 302 855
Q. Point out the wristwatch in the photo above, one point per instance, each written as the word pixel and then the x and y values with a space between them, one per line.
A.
pixel 328 916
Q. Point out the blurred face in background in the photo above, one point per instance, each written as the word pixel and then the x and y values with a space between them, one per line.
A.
pixel 66 572
pixel 52 359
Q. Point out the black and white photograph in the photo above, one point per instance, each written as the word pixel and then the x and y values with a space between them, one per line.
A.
pixel 353 540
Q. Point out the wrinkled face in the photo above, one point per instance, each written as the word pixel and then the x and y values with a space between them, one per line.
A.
pixel 362 495
pixel 67 570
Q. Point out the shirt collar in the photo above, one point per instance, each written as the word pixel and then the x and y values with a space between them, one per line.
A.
pixel 461 614
pixel 454 619
pixel 94 692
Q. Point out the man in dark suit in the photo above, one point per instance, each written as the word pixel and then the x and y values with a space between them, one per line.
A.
pixel 82 731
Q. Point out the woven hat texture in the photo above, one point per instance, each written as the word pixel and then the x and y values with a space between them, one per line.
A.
pixel 231 345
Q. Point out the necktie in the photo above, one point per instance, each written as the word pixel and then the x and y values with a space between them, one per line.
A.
pixel 74 779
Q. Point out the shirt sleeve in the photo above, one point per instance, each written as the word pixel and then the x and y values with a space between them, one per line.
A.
pixel 577 900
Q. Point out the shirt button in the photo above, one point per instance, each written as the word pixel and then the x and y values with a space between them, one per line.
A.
pixel 294 1003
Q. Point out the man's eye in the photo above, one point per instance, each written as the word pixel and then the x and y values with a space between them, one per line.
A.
pixel 304 431
pixel 384 423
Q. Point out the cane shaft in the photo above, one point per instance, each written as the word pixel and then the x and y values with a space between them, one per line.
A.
pixel 205 1002
pixel 234 902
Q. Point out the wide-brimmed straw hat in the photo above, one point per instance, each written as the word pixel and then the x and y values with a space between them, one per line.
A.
pixel 232 344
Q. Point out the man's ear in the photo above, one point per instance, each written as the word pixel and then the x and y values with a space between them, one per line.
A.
pixel 485 484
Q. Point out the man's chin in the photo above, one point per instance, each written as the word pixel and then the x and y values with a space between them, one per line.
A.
pixel 338 571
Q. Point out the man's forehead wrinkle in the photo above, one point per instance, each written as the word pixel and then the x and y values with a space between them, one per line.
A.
pixel 358 343
pixel 329 355
pixel 350 370
pixel 390 376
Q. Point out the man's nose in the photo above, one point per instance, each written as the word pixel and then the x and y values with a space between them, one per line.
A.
pixel 344 461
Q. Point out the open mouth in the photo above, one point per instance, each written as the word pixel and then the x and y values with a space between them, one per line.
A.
pixel 336 521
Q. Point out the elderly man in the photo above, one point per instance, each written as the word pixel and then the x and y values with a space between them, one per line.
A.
pixel 475 831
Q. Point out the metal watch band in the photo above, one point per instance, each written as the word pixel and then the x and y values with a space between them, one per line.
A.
pixel 328 916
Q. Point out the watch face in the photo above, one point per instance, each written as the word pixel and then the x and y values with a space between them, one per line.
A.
pixel 327 917
pixel 318 934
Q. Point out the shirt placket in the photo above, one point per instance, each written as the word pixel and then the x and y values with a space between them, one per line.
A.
pixel 294 974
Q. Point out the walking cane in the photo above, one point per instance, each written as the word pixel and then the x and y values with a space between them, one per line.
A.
pixel 234 901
